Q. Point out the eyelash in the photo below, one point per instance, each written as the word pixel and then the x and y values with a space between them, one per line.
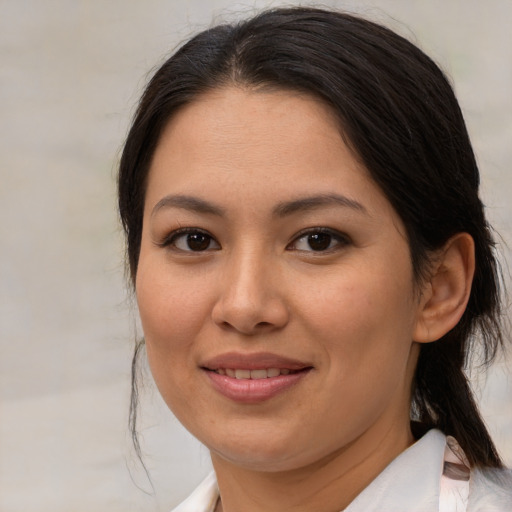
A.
pixel 341 240
pixel 170 240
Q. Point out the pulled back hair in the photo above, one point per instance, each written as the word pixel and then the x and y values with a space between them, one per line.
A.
pixel 398 113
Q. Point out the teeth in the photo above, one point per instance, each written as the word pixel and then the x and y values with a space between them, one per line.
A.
pixel 243 374
pixel 264 373
pixel 258 374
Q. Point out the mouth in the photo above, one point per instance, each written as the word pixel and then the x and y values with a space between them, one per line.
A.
pixel 263 373
pixel 254 378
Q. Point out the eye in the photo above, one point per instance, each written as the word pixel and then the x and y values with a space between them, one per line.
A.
pixel 319 240
pixel 191 240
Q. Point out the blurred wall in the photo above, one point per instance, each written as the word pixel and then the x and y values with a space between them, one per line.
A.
pixel 70 75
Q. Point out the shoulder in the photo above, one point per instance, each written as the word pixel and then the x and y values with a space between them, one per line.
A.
pixel 490 491
pixel 204 497
pixel 482 489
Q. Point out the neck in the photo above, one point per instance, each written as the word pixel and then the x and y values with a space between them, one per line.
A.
pixel 328 485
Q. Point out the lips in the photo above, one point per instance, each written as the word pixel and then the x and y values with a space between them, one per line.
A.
pixel 253 378
pixel 257 361
pixel 264 373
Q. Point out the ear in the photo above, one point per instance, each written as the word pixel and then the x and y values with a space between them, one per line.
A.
pixel 446 293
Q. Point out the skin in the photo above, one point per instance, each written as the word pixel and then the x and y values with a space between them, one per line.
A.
pixel 351 312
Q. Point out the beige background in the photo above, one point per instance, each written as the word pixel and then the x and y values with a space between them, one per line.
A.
pixel 70 74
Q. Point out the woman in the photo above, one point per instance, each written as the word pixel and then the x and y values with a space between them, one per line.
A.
pixel 312 267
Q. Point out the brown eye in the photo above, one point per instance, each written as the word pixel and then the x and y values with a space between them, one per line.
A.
pixel 319 240
pixel 198 241
pixel 192 241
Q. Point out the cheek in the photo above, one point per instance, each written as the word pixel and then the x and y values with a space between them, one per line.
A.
pixel 362 318
pixel 172 314
pixel 169 314
pixel 169 307
pixel 364 332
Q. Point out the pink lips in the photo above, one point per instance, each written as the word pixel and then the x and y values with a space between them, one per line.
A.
pixel 283 373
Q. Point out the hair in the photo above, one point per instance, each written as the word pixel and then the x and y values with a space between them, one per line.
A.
pixel 398 113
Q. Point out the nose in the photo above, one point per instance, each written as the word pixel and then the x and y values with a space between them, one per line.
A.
pixel 250 299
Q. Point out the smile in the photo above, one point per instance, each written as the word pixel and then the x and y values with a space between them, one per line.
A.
pixel 253 378
pixel 265 373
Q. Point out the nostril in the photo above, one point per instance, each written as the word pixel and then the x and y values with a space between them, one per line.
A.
pixel 249 317
pixel 250 328
pixel 263 324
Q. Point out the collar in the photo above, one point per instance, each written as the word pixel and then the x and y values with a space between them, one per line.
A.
pixel 203 499
pixel 410 483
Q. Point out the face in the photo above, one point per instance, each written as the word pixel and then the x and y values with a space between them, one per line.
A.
pixel 274 284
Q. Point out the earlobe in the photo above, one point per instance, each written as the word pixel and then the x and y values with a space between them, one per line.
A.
pixel 447 291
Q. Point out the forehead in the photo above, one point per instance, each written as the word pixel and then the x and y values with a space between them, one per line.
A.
pixel 268 118
pixel 256 146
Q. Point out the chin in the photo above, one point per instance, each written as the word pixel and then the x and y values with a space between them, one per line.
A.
pixel 264 463
pixel 263 455
pixel 257 454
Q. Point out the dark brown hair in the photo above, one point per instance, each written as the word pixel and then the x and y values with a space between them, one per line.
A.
pixel 399 114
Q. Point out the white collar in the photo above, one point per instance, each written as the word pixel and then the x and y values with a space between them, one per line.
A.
pixel 410 483
pixel 203 499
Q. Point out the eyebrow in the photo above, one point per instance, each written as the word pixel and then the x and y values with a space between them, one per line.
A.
pixel 316 202
pixel 190 203
pixel 283 209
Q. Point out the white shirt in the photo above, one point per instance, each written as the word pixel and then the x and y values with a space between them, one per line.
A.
pixel 432 475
